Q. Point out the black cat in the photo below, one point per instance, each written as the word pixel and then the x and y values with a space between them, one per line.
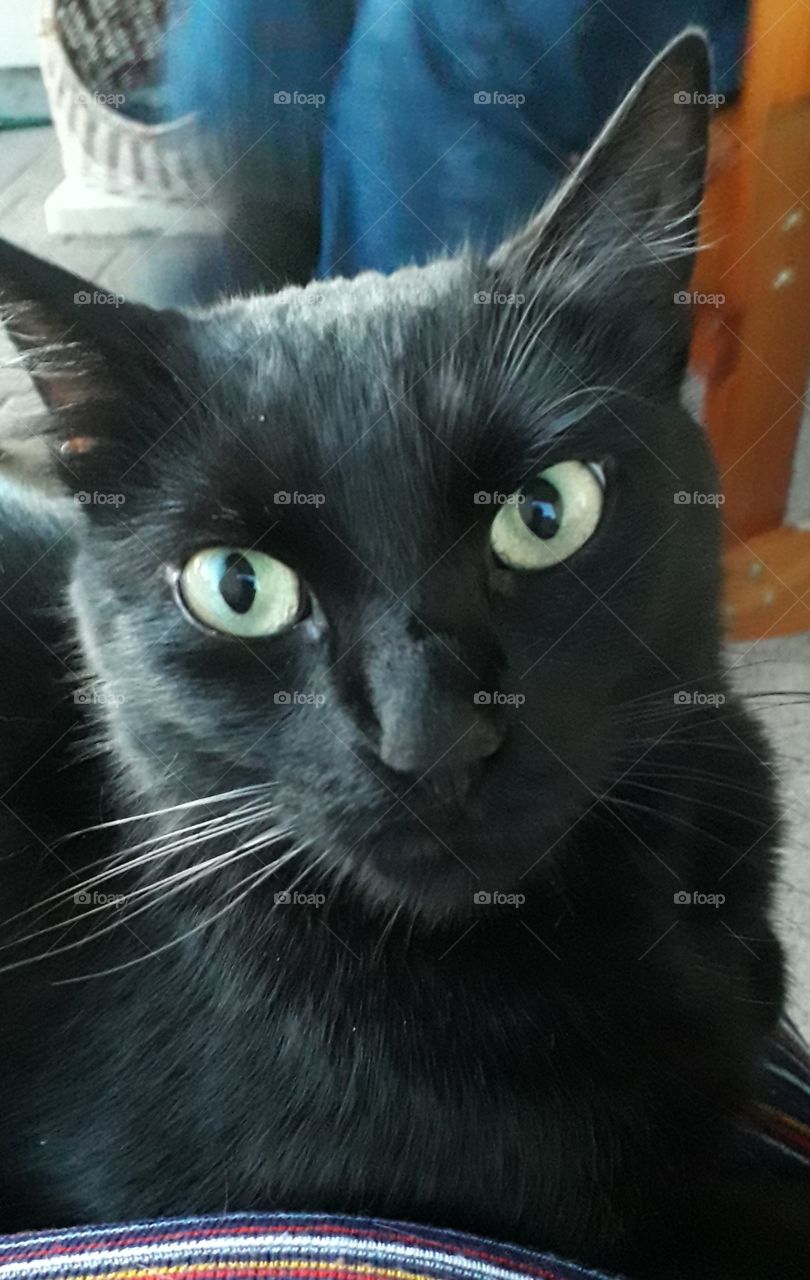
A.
pixel 366 734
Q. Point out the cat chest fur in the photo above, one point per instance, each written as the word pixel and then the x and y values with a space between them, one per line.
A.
pixel 468 1095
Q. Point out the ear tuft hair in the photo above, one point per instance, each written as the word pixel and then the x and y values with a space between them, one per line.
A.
pixel 625 222
pixel 93 358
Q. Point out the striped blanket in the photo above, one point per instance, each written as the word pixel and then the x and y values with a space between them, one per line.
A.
pixel 314 1247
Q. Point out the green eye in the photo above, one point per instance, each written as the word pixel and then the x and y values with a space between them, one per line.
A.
pixel 550 518
pixel 243 593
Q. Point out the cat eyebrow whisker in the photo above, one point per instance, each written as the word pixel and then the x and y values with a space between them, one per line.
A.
pixel 586 265
pixel 576 279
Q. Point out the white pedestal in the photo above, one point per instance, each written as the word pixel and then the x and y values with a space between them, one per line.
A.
pixel 74 209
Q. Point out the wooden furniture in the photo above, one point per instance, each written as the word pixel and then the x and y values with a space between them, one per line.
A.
pixel 752 349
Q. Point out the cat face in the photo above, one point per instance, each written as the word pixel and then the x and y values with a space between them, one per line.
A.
pixel 404 550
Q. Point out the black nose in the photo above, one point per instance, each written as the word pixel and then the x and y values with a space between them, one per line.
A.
pixel 446 737
pixel 432 713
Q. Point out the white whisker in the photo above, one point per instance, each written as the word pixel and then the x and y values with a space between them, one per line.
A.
pixel 114 866
pixel 190 876
pixel 252 881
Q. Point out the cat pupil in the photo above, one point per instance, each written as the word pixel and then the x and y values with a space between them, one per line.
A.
pixel 542 510
pixel 237 585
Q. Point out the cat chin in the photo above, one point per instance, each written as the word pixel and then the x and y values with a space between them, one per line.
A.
pixel 417 874
pixel 451 867
pixel 432 899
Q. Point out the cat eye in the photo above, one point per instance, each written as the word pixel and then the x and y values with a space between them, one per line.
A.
pixel 242 593
pixel 551 517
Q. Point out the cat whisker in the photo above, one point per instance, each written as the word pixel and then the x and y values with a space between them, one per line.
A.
pixel 253 881
pixel 667 770
pixel 674 819
pixel 116 866
pixel 197 832
pixel 186 878
pixel 306 871
pixel 628 780
pixel 237 793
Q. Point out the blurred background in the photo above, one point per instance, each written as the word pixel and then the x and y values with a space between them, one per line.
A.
pixel 175 151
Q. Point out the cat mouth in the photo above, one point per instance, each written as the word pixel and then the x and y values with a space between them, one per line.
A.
pixel 410 844
pixel 436 868
pixel 432 852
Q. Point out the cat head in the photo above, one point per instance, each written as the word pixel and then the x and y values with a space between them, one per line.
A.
pixel 404 549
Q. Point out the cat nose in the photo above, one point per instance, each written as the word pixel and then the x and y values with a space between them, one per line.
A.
pixel 433 713
pixel 446 740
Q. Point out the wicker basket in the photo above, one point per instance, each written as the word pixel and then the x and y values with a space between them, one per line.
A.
pixel 101 67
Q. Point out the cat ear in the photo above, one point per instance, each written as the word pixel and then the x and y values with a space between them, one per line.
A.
pixel 627 216
pixel 92 357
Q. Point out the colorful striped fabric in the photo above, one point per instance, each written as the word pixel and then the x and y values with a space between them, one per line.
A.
pixel 778 1131
pixel 313 1247
pixel 292 1246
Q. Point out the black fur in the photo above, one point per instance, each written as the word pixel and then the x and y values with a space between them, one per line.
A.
pixel 565 1072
